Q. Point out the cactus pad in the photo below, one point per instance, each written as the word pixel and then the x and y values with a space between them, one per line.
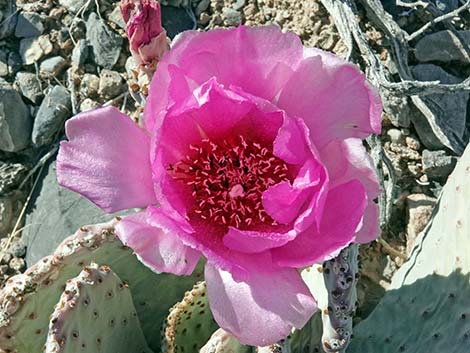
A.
pixel 28 299
pixel 190 323
pixel 95 314
pixel 427 307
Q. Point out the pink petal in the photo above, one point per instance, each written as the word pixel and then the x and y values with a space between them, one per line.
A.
pixel 157 248
pixel 255 241
pixel 257 59
pixel 332 97
pixel 342 214
pixel 106 160
pixel 347 160
pixel 262 310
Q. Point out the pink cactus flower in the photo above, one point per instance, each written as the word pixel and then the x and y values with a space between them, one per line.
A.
pixel 147 37
pixel 251 156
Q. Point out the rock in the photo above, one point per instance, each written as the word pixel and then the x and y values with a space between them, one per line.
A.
pixel 396 136
pixel 412 142
pixel 80 53
pixel 420 209
pixel 17 248
pixel 238 5
pixel 88 104
pixel 202 6
pixel 15 120
pixel 54 109
pixel 3 64
pixel 5 259
pixel 105 44
pixel 115 16
pixel 29 85
pixel 17 264
pixel 446 5
pixel 89 85
pixel 437 164
pixel 448 111
pixel 177 19
pixel 232 17
pixel 55 213
pixel 34 48
pixel 52 66
pixel 8 18
pixel 14 63
pixel 444 46
pixel 10 176
pixel 29 25
pixel 110 84
pixel 73 6
pixel 6 214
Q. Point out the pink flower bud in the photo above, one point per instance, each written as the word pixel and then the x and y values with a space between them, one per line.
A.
pixel 147 37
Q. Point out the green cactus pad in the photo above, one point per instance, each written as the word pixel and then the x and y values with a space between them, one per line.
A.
pixel 28 299
pixel 95 314
pixel 190 323
pixel 427 307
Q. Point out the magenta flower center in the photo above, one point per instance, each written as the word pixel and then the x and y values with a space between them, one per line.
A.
pixel 228 179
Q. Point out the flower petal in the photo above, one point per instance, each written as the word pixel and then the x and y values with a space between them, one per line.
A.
pixel 343 212
pixel 276 296
pixel 332 97
pixel 347 160
pixel 255 242
pixel 257 59
pixel 157 248
pixel 106 160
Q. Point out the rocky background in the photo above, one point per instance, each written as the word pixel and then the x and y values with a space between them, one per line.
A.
pixel 62 57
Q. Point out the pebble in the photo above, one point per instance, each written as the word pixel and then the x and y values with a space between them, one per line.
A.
pixel 5 259
pixel 11 174
pixel 232 17
pixel 412 142
pixel 396 136
pixel 3 64
pixel 89 85
pixel 88 104
pixel 115 16
pixel 17 264
pixel 29 25
pixel 202 6
pixel 52 66
pixel 105 44
pixel 437 164
pixel 73 5
pixel 29 86
pixel 9 17
pixel 80 53
pixel 420 208
pixel 54 109
pixel 17 248
pixel 110 84
pixel 3 270
pixel 6 214
pixel 444 46
pixel 238 4
pixel 15 120
pixel 34 48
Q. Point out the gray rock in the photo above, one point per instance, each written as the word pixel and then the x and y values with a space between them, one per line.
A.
pixel 54 214
pixel 437 164
pixel 17 248
pixel 52 66
pixel 6 214
pixel 105 44
pixel 80 53
pixel 177 19
pixel 10 176
pixel 115 16
pixel 238 4
pixel 34 48
pixel 232 17
pixel 29 85
pixel 446 5
pixel 54 109
pixel 8 18
pixel 29 25
pixel 202 6
pixel 448 110
pixel 3 64
pixel 420 208
pixel 396 136
pixel 73 5
pixel 88 104
pixel 17 264
pixel 14 63
pixel 15 120
pixel 444 46
pixel 110 84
